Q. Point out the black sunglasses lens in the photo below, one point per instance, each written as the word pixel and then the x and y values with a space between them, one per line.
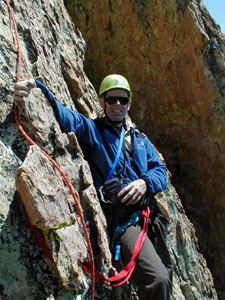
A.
pixel 112 100
pixel 123 100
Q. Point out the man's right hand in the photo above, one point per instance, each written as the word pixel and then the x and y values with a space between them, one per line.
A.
pixel 22 89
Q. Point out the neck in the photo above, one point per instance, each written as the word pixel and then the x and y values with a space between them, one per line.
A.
pixel 114 123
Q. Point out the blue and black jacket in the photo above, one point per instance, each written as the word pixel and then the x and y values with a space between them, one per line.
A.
pixel 93 139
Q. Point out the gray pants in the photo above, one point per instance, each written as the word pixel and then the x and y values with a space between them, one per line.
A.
pixel 153 272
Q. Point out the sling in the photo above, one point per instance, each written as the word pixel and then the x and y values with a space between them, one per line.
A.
pixel 117 155
pixel 124 275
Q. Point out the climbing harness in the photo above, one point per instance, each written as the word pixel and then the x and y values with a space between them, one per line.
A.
pixel 119 230
pixel 124 275
pixel 31 142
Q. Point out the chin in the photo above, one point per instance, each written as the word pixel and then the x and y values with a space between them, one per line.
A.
pixel 117 120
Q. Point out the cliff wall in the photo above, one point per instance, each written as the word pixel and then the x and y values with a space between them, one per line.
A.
pixel 173 53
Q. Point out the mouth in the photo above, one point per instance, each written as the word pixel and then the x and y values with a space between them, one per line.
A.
pixel 117 111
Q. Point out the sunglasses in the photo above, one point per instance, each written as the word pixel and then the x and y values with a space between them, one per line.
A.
pixel 112 100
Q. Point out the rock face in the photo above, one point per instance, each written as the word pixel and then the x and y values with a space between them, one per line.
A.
pixel 173 54
pixel 170 47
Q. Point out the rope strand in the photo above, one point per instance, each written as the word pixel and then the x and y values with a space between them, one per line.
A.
pixel 31 142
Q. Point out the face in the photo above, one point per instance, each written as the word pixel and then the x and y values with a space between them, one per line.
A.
pixel 115 112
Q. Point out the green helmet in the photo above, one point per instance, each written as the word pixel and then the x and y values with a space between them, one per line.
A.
pixel 114 81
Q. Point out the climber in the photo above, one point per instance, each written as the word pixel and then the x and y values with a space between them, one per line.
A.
pixel 127 172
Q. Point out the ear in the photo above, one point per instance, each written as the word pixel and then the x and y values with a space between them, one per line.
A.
pixel 102 102
pixel 128 105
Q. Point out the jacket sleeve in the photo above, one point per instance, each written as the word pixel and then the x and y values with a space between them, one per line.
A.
pixel 71 121
pixel 156 175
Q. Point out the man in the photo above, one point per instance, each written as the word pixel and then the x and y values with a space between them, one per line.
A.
pixel 136 173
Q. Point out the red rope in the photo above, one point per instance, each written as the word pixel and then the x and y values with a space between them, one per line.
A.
pixel 37 235
pixel 124 275
pixel 31 142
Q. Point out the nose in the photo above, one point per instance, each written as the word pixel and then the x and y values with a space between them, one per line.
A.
pixel 117 101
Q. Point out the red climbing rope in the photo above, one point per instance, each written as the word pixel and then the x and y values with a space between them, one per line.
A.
pixel 31 142
pixel 125 274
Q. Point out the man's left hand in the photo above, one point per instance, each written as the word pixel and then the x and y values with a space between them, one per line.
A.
pixel 133 192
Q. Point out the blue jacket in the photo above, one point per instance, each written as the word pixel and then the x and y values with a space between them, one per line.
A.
pixel 93 139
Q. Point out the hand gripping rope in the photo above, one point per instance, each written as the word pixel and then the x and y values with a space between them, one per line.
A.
pixel 31 142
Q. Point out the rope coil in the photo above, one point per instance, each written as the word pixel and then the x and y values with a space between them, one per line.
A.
pixel 31 142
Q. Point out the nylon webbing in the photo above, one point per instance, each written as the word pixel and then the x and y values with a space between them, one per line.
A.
pixel 117 154
pixel 124 275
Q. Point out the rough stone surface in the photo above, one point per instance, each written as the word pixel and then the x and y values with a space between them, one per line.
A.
pixel 50 208
pixel 173 54
pixel 173 47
